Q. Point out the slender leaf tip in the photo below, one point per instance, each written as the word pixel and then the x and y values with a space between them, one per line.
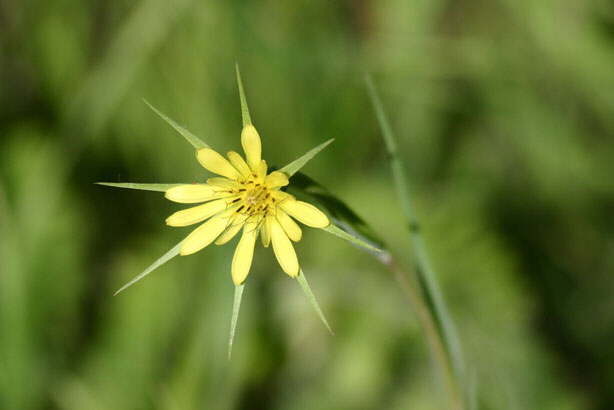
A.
pixel 337 231
pixel 196 142
pixel 247 119
pixel 293 167
pixel 161 261
pixel 139 186
pixel 236 305
pixel 302 280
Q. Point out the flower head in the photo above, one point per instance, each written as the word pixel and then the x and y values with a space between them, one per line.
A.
pixel 245 197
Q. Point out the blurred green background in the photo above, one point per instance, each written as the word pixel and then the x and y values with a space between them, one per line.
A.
pixel 505 114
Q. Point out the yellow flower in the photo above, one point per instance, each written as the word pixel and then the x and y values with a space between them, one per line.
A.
pixel 244 197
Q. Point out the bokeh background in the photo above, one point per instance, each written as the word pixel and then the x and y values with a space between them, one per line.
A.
pixel 505 114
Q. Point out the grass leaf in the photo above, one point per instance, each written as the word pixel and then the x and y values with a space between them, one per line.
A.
pixel 300 162
pixel 196 142
pixel 426 277
pixel 161 261
pixel 472 393
pixel 142 187
pixel 302 280
pixel 236 306
pixel 247 120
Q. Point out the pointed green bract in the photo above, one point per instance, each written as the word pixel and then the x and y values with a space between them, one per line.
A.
pixel 300 162
pixel 142 187
pixel 247 120
pixel 335 230
pixel 161 261
pixel 236 306
pixel 191 138
pixel 305 188
pixel 302 280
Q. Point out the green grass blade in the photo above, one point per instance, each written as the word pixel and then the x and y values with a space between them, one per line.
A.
pixel 196 142
pixel 142 187
pixel 335 230
pixel 425 273
pixel 472 391
pixel 236 306
pixel 302 280
pixel 247 119
pixel 300 162
pixel 161 261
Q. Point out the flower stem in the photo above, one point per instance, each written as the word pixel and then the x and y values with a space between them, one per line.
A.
pixel 408 282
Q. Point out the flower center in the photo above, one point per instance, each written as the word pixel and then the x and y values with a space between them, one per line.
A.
pixel 253 197
pixel 256 199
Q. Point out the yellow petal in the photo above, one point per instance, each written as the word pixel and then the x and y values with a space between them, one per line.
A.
pixel 230 212
pixel 261 171
pixel 281 196
pixel 190 194
pixel 290 227
pixel 306 213
pixel 196 214
pixel 235 226
pixel 265 232
pixel 276 179
pixel 216 163
pixel 244 253
pixel 203 235
pixel 251 146
pixel 284 251
pixel 222 184
pixel 239 163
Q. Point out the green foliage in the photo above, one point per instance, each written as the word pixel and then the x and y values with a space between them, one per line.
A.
pixel 503 113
